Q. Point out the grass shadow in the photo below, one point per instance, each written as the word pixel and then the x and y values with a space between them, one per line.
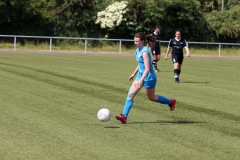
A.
pixel 194 82
pixel 111 127
pixel 162 122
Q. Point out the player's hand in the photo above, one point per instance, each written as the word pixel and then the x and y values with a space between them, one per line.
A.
pixel 165 58
pixel 188 54
pixel 131 78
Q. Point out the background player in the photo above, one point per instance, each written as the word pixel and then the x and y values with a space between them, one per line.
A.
pixel 156 48
pixel 177 44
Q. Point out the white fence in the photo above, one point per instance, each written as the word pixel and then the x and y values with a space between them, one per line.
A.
pixel 104 39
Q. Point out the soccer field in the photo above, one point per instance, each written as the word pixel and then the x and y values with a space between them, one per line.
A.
pixel 49 104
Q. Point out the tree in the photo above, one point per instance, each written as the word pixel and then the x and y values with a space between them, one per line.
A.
pixel 225 25
pixel 24 16
pixel 131 18
pixel 74 17
pixel 173 14
pixel 208 5
pixel 113 15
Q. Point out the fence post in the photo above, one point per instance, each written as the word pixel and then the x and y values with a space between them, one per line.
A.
pixel 120 46
pixel 85 47
pixel 14 45
pixel 219 50
pixel 50 45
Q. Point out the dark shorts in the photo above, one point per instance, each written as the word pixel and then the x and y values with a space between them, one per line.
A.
pixel 155 51
pixel 177 59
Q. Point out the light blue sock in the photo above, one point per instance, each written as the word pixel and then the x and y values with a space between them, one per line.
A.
pixel 163 100
pixel 127 107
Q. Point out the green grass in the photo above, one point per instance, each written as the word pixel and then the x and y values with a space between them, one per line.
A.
pixel 49 103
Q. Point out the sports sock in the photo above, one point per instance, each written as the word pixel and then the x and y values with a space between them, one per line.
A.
pixel 155 64
pixel 127 107
pixel 176 73
pixel 163 100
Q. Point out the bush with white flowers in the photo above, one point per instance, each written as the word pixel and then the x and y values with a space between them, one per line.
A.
pixel 113 15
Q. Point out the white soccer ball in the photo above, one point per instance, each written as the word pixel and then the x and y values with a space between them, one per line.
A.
pixel 104 115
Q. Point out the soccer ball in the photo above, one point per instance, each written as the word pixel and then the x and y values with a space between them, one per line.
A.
pixel 104 115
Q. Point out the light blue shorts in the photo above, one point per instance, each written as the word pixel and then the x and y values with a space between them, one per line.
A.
pixel 150 84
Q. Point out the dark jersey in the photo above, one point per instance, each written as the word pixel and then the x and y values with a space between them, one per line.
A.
pixel 156 45
pixel 177 46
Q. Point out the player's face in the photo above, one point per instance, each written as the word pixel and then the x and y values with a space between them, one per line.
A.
pixel 178 35
pixel 138 42
pixel 157 30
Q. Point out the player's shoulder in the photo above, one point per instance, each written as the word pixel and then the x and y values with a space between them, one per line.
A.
pixel 145 49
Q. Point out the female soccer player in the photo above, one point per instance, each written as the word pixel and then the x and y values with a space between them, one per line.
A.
pixel 177 44
pixel 145 77
pixel 156 48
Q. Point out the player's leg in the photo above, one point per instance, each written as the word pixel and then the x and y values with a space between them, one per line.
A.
pixel 129 102
pixel 150 91
pixel 176 72
pixel 180 65
pixel 157 59
pixel 154 62
pixel 154 56
pixel 175 60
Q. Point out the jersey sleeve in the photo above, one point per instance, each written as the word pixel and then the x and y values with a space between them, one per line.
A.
pixel 170 43
pixel 185 44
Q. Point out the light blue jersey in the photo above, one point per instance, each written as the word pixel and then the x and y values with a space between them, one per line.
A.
pixel 141 68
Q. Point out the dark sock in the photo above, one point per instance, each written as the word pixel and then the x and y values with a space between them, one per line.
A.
pixel 155 64
pixel 176 72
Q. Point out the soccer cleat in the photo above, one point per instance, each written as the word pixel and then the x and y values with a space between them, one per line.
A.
pixel 172 105
pixel 121 118
pixel 177 80
pixel 157 70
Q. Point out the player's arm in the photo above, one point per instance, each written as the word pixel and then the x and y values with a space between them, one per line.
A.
pixel 134 73
pixel 168 49
pixel 187 50
pixel 160 47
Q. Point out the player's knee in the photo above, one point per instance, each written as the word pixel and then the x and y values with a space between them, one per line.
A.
pixel 151 98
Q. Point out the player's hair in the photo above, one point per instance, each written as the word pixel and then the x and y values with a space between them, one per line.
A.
pixel 140 35
pixel 149 39
pixel 156 27
pixel 178 30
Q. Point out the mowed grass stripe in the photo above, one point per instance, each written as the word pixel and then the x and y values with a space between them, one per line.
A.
pixel 83 90
pixel 56 120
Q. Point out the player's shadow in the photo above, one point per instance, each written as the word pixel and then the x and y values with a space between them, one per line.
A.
pixel 111 127
pixel 194 82
pixel 162 122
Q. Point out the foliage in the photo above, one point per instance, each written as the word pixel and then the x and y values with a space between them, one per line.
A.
pixel 171 14
pixel 113 15
pixel 208 5
pixel 23 17
pixel 226 24
pixel 72 18
pixel 200 20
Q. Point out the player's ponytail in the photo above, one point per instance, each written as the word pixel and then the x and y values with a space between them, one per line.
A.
pixel 150 40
